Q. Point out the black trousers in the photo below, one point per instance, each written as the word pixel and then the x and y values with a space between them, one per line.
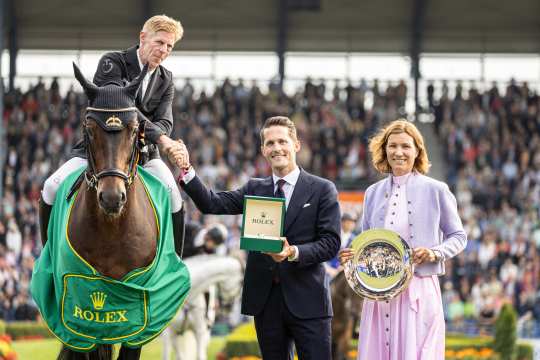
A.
pixel 277 329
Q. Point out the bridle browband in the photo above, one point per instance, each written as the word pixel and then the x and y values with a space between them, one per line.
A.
pixel 89 108
pixel 90 175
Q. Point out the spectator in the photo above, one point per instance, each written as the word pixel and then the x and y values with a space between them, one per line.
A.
pixel 491 143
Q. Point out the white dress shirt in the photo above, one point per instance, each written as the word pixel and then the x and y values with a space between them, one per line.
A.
pixel 290 182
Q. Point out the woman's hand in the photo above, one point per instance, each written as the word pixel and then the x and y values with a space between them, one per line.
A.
pixel 345 255
pixel 422 255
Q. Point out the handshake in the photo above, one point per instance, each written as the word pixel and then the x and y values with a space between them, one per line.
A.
pixel 177 154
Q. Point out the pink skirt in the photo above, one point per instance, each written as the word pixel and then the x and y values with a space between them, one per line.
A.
pixel 408 327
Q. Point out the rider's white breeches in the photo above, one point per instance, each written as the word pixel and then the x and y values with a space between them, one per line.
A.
pixel 155 166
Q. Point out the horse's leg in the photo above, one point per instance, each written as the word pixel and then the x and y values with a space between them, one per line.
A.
pixel 102 352
pixel 167 338
pixel 201 331
pixel 127 353
pixel 175 339
pixel 203 341
pixel 67 354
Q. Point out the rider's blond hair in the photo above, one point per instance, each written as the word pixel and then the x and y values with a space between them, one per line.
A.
pixel 164 23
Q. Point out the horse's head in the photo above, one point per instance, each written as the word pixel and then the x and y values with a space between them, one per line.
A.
pixel 111 130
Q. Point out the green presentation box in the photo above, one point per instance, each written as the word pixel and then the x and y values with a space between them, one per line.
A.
pixel 262 224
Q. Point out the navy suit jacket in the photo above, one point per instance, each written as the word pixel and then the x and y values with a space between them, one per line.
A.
pixel 312 223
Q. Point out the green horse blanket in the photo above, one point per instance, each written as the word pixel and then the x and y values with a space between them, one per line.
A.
pixel 84 308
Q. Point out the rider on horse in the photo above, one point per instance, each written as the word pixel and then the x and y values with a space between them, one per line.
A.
pixel 109 272
pixel 154 104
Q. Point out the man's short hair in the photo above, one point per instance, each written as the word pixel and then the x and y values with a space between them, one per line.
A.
pixel 279 121
pixel 164 23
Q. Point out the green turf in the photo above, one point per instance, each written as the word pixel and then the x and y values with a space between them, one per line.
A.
pixel 48 349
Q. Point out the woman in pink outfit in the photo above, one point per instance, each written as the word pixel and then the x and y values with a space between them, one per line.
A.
pixel 424 212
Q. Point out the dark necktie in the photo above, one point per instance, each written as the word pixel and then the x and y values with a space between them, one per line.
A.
pixel 278 194
pixel 279 191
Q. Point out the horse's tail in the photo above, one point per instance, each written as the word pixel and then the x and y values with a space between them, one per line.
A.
pixel 102 352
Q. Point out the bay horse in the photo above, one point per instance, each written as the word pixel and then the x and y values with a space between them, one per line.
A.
pixel 132 282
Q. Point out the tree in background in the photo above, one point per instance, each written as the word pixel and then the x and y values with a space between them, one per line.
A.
pixel 505 332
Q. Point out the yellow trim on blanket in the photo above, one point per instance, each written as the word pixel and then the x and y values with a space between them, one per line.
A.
pixel 62 341
pixel 160 330
pixel 67 235
pixel 136 273
pixel 158 246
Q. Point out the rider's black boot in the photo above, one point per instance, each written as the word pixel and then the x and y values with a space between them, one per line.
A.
pixel 179 230
pixel 44 216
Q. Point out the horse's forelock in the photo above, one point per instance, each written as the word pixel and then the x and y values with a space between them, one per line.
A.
pixel 112 97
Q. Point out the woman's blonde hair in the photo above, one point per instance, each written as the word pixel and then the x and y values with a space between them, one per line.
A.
pixel 377 146
pixel 164 23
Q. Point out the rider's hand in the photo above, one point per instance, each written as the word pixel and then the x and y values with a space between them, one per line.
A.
pixel 345 255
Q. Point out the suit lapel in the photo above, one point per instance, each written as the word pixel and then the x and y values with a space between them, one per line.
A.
pixel 301 194
pixel 153 84
pixel 267 188
pixel 133 69
pixel 132 63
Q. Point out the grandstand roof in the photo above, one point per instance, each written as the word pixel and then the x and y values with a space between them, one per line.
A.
pixel 252 25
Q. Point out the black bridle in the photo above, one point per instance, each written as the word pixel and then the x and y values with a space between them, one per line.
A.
pixel 90 175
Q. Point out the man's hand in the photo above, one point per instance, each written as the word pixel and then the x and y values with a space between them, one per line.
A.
pixel 176 151
pixel 422 255
pixel 286 252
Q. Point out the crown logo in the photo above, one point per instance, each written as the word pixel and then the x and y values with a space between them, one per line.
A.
pixel 113 121
pixel 263 214
pixel 98 299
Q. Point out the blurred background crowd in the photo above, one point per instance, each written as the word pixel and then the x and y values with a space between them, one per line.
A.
pixel 490 139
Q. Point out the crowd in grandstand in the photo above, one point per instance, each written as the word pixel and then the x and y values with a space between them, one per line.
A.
pixel 492 147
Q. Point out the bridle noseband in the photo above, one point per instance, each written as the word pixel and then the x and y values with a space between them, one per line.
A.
pixel 90 175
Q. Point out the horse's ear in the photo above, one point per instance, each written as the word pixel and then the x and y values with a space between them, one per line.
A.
pixel 90 89
pixel 133 86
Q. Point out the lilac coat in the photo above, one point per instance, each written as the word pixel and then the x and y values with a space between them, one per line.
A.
pixel 433 217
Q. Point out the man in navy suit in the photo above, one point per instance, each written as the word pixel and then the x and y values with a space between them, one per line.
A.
pixel 288 293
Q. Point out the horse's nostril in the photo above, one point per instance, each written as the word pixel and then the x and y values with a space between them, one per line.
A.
pixel 123 197
pixel 100 197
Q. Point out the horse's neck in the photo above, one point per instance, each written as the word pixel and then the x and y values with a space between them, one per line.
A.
pixel 207 270
pixel 114 245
